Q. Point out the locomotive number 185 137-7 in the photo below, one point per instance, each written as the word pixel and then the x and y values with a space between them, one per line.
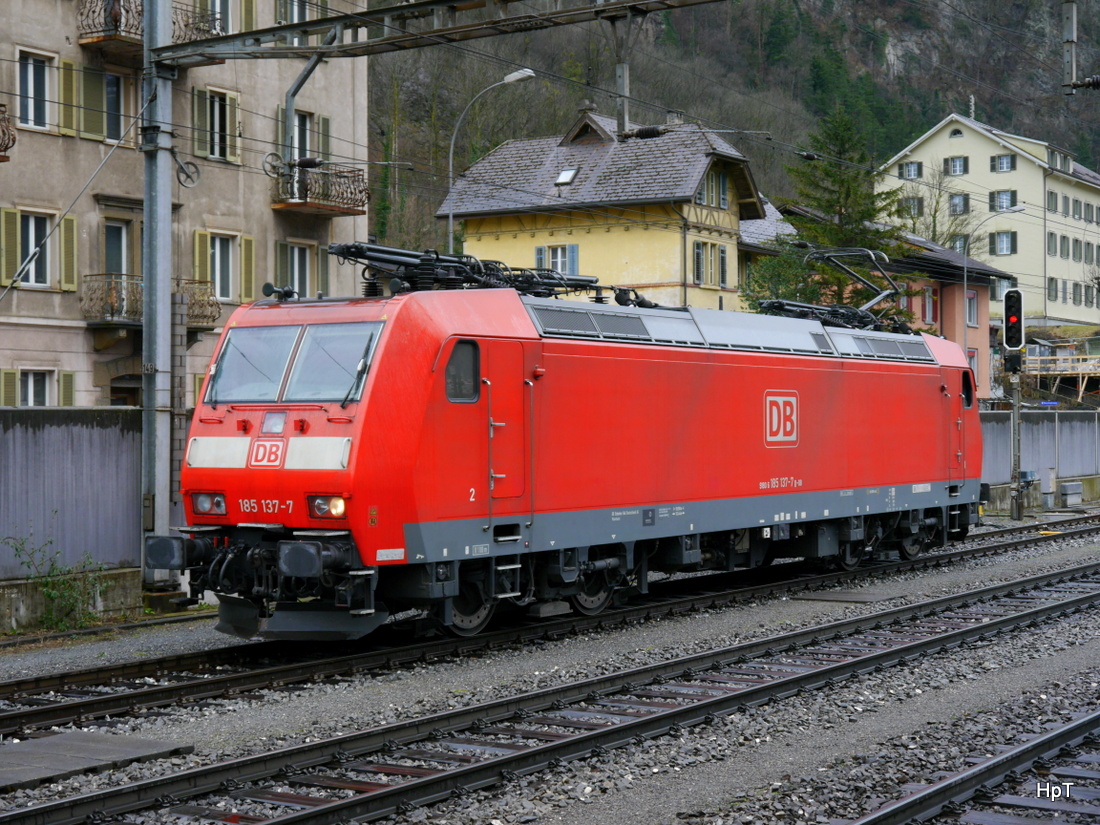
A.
pixel 265 505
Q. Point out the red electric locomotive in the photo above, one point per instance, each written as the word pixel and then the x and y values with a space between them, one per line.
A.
pixel 452 450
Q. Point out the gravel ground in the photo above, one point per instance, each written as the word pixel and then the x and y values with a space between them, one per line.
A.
pixel 827 754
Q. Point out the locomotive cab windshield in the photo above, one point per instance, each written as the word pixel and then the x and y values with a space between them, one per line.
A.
pixel 327 362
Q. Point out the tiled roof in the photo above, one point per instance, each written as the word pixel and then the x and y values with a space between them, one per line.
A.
pixel 647 165
pixel 764 231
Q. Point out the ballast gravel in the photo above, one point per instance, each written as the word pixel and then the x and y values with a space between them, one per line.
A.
pixel 819 756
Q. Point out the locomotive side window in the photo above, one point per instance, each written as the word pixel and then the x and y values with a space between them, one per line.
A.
pixel 967 390
pixel 332 362
pixel 463 372
pixel 251 365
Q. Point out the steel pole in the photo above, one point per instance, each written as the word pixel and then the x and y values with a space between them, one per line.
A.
pixel 1017 502
pixel 156 265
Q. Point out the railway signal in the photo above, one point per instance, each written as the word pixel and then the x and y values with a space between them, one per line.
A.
pixel 1014 319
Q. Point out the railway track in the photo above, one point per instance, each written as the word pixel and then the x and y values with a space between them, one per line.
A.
pixel 136 687
pixel 389 769
pixel 1054 775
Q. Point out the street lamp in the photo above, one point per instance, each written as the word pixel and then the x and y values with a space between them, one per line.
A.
pixel 514 77
pixel 966 262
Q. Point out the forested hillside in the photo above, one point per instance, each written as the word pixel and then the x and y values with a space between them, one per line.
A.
pixel 765 70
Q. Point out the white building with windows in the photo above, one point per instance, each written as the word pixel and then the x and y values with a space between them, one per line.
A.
pixel 980 173
pixel 71 328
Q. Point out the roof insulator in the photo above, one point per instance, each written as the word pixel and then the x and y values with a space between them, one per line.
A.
pixel 649 131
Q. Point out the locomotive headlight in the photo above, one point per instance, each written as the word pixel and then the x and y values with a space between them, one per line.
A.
pixel 208 504
pixel 327 506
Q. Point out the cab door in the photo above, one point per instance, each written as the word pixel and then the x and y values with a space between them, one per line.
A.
pixel 506 418
pixel 959 397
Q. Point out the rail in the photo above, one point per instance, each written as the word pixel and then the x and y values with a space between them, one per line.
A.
pixel 332 187
pixel 110 297
pixel 390 769
pixel 123 19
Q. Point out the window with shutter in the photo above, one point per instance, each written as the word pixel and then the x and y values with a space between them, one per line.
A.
pixel 248 269
pixel 66 247
pixel 9 388
pixel 9 245
pixel 200 123
pixel 69 91
pixel 93 104
pixel 66 389
pixel 201 261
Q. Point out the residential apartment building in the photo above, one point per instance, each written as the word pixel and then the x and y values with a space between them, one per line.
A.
pixel 70 75
pixel 657 209
pixel 1025 206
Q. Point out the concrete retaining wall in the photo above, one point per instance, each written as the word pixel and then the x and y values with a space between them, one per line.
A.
pixel 24 606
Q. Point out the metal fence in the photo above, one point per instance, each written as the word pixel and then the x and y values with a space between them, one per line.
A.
pixel 1066 442
pixel 72 476
pixel 70 483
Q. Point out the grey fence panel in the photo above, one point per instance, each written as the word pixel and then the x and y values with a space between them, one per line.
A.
pixel 71 482
pixel 1077 444
pixel 1068 442
pixel 1039 442
pixel 997 447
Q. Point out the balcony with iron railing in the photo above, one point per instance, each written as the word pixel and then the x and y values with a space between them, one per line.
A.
pixel 7 133
pixel 116 26
pixel 330 189
pixel 112 300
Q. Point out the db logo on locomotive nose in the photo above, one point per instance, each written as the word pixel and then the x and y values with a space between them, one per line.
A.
pixel 781 418
pixel 267 453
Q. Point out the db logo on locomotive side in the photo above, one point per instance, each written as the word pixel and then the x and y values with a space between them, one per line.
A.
pixel 267 453
pixel 781 418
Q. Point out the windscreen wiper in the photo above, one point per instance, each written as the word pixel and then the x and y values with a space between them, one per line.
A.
pixel 360 371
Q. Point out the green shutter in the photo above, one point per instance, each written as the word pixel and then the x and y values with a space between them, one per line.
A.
pixel 93 102
pixel 69 93
pixel 248 269
pixel 201 264
pixel 322 270
pixel 200 122
pixel 66 389
pixel 282 263
pixel 324 137
pixel 233 126
pixel 66 244
pixel 572 260
pixel 248 15
pixel 9 245
pixel 540 257
pixel 9 388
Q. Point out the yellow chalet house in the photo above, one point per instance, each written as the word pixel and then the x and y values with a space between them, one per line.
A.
pixel 655 208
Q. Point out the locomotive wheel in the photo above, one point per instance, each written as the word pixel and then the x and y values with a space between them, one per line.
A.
pixel 594 597
pixel 471 612
pixel 850 555
pixel 911 547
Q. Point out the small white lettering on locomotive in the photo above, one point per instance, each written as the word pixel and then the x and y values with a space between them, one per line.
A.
pixel 781 418
pixel 781 483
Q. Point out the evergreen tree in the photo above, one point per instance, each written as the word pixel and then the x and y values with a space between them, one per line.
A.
pixel 839 189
